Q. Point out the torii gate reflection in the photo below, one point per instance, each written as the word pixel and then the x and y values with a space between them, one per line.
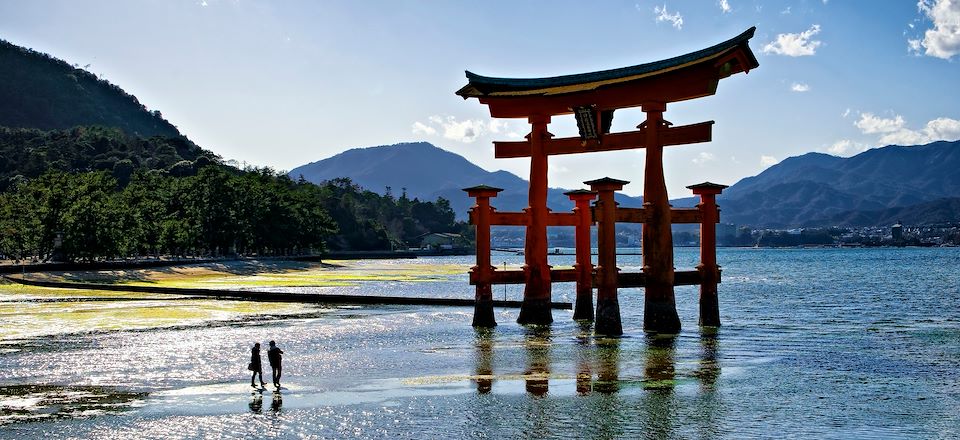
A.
pixel 592 98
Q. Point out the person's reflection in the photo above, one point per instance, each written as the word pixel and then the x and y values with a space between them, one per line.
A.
pixel 538 360
pixel 709 368
pixel 484 355
pixel 256 403
pixel 608 366
pixel 277 402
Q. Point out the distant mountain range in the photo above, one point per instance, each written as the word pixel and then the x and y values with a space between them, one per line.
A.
pixel 917 184
pixel 819 189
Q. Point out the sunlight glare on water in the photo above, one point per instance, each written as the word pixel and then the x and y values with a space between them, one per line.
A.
pixel 815 343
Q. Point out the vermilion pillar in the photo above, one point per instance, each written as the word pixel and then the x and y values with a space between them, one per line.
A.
pixel 709 270
pixel 584 267
pixel 608 307
pixel 482 273
pixel 659 307
pixel 535 308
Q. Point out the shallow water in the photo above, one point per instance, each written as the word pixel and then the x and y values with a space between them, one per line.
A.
pixel 851 343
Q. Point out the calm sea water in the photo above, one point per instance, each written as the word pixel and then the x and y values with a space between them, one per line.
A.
pixel 815 343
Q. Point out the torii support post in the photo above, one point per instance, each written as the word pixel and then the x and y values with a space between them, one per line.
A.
pixel 483 271
pixel 709 270
pixel 659 306
pixel 583 266
pixel 535 308
pixel 608 307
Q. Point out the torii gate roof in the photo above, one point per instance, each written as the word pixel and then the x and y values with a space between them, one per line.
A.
pixel 675 79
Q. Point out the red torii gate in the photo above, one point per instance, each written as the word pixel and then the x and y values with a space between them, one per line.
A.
pixel 593 98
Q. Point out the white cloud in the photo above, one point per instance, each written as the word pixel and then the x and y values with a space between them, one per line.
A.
pixel 943 40
pixel 785 11
pixel 893 130
pixel 800 87
pixel 703 158
pixel 914 47
pixel 845 113
pixel 421 128
pixel 724 6
pixel 465 131
pixel 795 45
pixel 944 129
pixel 870 124
pixel 766 161
pixel 845 147
pixel 675 19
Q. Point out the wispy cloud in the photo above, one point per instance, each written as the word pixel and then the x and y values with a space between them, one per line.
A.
pixel 703 158
pixel 421 128
pixel 943 40
pixel 847 147
pixel 893 130
pixel 465 131
pixel 724 6
pixel 799 87
pixel 795 45
pixel 767 161
pixel 675 19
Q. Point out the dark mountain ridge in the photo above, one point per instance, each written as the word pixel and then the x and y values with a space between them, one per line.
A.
pixel 815 187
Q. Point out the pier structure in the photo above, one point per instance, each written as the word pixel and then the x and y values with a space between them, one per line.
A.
pixel 592 98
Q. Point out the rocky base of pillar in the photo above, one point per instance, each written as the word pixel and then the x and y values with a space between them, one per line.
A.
pixel 660 317
pixel 709 309
pixel 583 310
pixel 608 318
pixel 535 312
pixel 483 314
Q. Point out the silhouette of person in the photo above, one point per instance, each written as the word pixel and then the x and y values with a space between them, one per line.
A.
pixel 256 366
pixel 274 355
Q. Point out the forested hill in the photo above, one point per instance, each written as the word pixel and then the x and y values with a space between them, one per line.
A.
pixel 84 164
pixel 40 91
pixel 26 153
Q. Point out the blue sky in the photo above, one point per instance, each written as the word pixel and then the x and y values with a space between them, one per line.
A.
pixel 290 82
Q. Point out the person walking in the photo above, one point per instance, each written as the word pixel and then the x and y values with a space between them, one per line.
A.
pixel 274 354
pixel 256 366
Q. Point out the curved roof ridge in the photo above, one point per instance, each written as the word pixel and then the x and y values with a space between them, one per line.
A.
pixel 479 85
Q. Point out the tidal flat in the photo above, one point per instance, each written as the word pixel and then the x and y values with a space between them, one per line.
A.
pixel 834 343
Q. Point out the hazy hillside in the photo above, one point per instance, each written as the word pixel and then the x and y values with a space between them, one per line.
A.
pixel 39 91
pixel 427 172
